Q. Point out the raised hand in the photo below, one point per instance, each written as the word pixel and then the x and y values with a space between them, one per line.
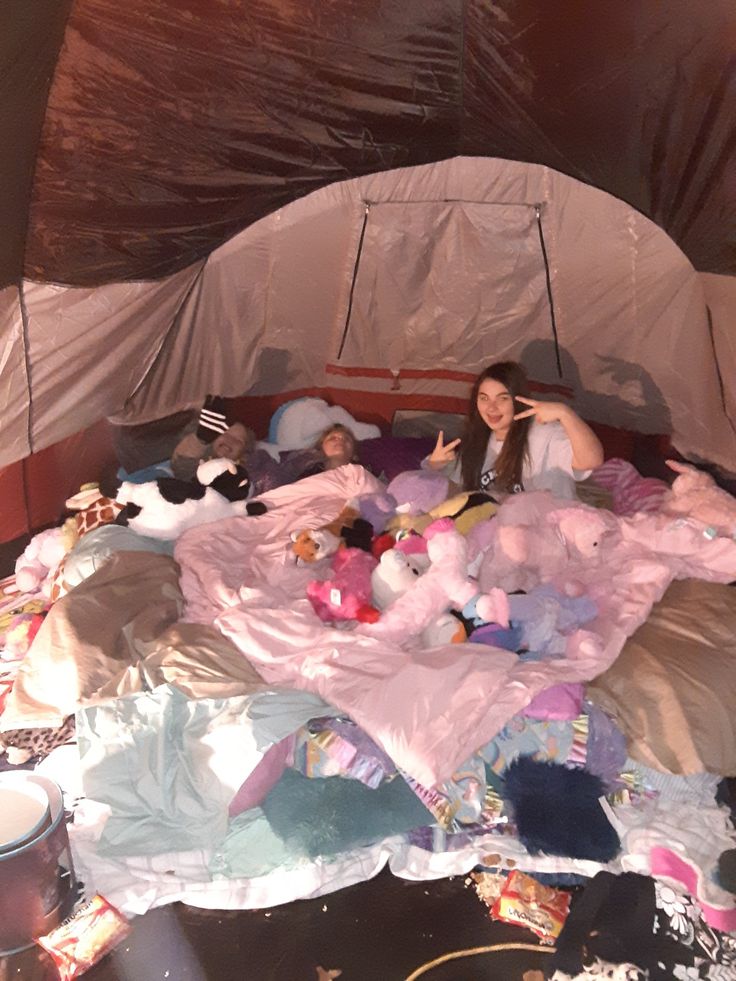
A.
pixel 542 411
pixel 212 419
pixel 443 453
pixel 587 451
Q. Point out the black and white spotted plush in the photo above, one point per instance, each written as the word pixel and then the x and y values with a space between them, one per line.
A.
pixel 166 507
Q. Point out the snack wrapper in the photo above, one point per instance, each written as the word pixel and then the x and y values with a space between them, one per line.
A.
pixel 85 937
pixel 528 903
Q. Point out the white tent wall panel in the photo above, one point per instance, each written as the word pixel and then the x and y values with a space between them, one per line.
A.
pixel 264 316
pixel 13 378
pixel 458 277
pixel 89 349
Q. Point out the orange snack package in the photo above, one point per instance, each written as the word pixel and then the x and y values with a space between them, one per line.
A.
pixel 85 937
pixel 528 903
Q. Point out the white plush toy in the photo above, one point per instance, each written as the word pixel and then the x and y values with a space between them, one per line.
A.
pixel 166 507
pixel 444 586
pixel 397 571
pixel 35 567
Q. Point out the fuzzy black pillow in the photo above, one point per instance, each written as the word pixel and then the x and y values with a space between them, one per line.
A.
pixel 557 810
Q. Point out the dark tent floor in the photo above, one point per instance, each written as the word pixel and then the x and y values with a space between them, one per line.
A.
pixel 386 929
pixel 382 930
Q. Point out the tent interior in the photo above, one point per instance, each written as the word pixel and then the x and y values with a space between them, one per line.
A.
pixel 363 201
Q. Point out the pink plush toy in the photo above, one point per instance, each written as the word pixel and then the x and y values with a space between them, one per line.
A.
pixel 444 586
pixel 347 595
pixel 694 494
pixel 35 567
pixel 539 548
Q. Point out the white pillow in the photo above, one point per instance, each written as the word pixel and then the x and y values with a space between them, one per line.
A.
pixel 302 422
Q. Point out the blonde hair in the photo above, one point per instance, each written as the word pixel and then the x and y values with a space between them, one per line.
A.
pixel 338 427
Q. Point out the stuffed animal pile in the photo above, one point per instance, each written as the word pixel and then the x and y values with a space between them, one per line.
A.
pixel 444 586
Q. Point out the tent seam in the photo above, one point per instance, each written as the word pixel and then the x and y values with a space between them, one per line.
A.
pixel 721 386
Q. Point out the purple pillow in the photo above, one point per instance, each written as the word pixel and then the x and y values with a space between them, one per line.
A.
pixel 391 455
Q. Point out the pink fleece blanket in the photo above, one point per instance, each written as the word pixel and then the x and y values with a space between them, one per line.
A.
pixel 429 709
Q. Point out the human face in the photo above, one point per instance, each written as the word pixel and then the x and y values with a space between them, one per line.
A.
pixel 495 405
pixel 338 445
pixel 231 444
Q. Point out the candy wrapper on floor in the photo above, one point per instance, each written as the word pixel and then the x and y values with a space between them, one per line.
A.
pixel 526 902
pixel 85 938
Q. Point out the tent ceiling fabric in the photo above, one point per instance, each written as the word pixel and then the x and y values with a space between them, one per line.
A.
pixel 170 127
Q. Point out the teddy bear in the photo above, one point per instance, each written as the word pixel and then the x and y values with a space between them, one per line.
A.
pixel 444 586
pixel 347 594
pixel 166 507
pixel 35 567
pixel 41 564
pixel 412 492
pixel 466 510
pixel 397 569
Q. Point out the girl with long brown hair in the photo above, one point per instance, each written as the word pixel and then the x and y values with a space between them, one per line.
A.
pixel 512 442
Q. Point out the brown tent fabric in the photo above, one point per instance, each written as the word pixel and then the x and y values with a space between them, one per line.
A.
pixel 170 127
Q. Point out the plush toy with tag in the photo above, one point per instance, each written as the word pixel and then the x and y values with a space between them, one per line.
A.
pixel 444 586
pixel 346 595
pixel 166 507
pixel 696 495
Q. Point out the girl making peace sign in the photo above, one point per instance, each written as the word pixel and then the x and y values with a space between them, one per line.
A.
pixel 512 442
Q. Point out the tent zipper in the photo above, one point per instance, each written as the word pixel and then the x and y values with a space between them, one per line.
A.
pixel 538 213
pixel 344 338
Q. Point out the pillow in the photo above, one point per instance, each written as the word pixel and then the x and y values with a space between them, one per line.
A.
pixel 672 689
pixel 388 456
pixel 298 424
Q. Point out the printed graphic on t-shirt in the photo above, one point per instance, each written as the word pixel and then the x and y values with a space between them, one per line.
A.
pixel 488 479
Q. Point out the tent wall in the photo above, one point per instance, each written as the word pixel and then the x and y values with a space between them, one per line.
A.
pixel 33 490
pixel 268 311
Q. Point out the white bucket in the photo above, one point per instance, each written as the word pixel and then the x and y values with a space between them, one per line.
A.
pixel 37 882
pixel 24 810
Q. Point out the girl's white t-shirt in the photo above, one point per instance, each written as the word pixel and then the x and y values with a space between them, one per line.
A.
pixel 547 465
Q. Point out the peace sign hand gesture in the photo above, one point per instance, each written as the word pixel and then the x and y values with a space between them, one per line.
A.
pixel 542 411
pixel 443 453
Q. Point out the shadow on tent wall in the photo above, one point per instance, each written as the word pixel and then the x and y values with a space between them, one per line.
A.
pixel 639 407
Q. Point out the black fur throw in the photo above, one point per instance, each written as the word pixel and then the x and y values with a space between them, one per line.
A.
pixel 557 811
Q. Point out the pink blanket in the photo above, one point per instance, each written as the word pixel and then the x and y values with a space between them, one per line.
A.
pixel 429 709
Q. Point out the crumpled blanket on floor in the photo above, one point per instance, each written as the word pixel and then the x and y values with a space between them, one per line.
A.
pixel 91 635
pixel 118 633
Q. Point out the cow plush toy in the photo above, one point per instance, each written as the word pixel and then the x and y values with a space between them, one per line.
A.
pixel 166 507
